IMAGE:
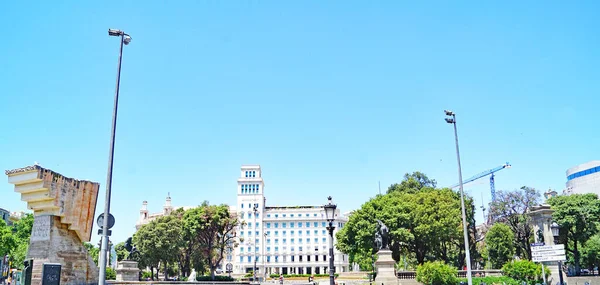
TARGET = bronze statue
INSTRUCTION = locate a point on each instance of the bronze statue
(540, 235)
(131, 249)
(382, 236)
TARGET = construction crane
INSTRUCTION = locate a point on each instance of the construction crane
(484, 174)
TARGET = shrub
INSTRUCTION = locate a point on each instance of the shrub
(437, 273)
(301, 275)
(110, 274)
(146, 274)
(492, 280)
(217, 278)
(524, 270)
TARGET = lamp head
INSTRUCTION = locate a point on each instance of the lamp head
(126, 39)
(114, 32)
(450, 120)
(449, 113)
(330, 210)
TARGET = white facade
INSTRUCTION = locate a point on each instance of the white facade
(584, 178)
(282, 240)
(146, 217)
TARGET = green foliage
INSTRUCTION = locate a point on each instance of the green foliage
(524, 270)
(301, 275)
(499, 244)
(425, 224)
(14, 240)
(146, 274)
(591, 252)
(111, 274)
(214, 278)
(511, 208)
(121, 251)
(159, 241)
(437, 273)
(492, 280)
(577, 216)
(93, 251)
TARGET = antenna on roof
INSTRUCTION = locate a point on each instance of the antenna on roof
(379, 182)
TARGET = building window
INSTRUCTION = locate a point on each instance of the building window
(256, 249)
(241, 249)
(249, 258)
(300, 257)
(268, 233)
(308, 258)
(256, 233)
(253, 173)
(323, 224)
(241, 259)
(324, 257)
(249, 249)
(276, 258)
(268, 241)
(242, 206)
(268, 248)
(242, 215)
(292, 249)
(324, 240)
(292, 232)
(276, 233)
(283, 224)
(268, 225)
(316, 240)
(246, 173)
(291, 225)
(315, 224)
(276, 225)
(299, 224)
(292, 215)
(284, 241)
(256, 224)
(242, 233)
(323, 232)
(307, 215)
(283, 215)
(268, 259)
(292, 241)
(292, 258)
(283, 232)
(276, 215)
(276, 241)
(307, 233)
(300, 240)
(307, 224)
(276, 248)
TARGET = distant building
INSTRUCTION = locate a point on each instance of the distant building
(5, 215)
(146, 217)
(281, 239)
(584, 178)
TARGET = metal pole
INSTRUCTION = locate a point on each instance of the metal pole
(254, 270)
(331, 266)
(104, 247)
(560, 273)
(462, 204)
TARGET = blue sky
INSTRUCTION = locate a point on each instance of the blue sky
(328, 97)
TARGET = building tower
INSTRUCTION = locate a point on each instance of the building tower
(250, 209)
(143, 212)
(168, 208)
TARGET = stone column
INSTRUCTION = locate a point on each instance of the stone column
(63, 210)
(127, 270)
(542, 220)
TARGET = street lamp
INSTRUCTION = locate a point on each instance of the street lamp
(330, 215)
(255, 210)
(555, 233)
(125, 40)
(451, 119)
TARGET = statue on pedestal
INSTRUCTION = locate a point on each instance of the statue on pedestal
(382, 236)
(131, 249)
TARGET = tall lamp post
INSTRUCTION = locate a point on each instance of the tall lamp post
(330, 215)
(125, 40)
(555, 232)
(451, 119)
(255, 210)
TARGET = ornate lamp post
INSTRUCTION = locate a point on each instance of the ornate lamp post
(555, 232)
(330, 215)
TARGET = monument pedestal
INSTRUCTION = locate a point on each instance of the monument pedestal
(385, 268)
(63, 210)
(127, 270)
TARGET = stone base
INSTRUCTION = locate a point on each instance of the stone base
(127, 270)
(53, 242)
(385, 268)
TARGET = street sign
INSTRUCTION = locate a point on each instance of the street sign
(548, 253)
(538, 244)
(548, 258)
(111, 221)
(548, 247)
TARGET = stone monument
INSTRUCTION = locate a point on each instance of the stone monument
(127, 270)
(63, 210)
(541, 217)
(385, 263)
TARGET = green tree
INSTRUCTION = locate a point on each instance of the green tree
(93, 251)
(122, 253)
(499, 244)
(577, 215)
(591, 252)
(413, 183)
(437, 273)
(424, 223)
(212, 229)
(158, 242)
(511, 208)
(524, 270)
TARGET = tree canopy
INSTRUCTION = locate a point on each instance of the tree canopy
(424, 222)
(577, 215)
(499, 245)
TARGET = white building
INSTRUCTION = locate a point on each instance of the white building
(584, 178)
(146, 217)
(282, 240)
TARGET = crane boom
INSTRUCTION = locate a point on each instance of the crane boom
(484, 174)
